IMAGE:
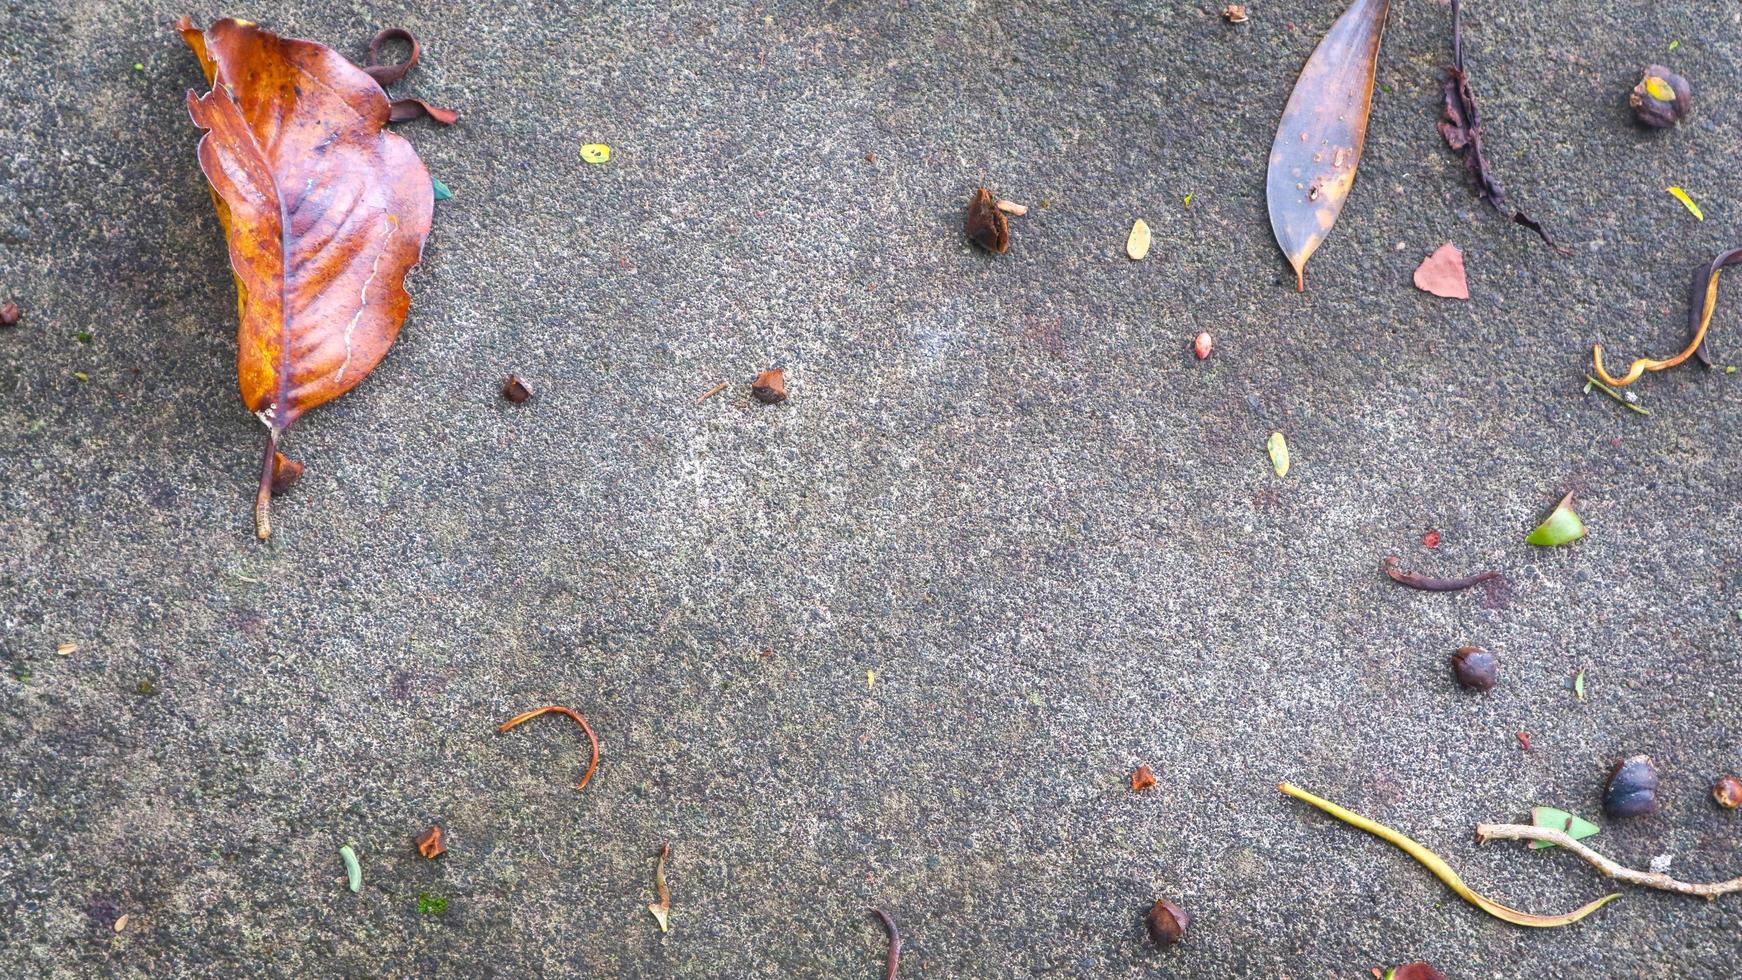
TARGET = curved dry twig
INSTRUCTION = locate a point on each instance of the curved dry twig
(1443, 871)
(559, 709)
(1650, 879)
(894, 942)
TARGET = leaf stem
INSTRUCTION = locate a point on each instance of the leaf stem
(1443, 871)
(1650, 879)
(263, 496)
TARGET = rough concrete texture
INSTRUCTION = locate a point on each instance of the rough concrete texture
(1001, 484)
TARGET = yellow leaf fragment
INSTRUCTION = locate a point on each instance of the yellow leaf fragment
(596, 152)
(1687, 202)
(1137, 243)
(870, 679)
(1278, 447)
(66, 649)
(1659, 89)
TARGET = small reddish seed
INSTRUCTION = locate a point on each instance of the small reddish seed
(1201, 346)
(10, 314)
(1524, 740)
(769, 388)
(870, 158)
(515, 390)
(1142, 778)
(1727, 791)
(1431, 539)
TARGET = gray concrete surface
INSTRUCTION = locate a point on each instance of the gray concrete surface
(1001, 484)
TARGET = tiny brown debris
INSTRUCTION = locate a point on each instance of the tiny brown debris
(1235, 13)
(870, 158)
(285, 472)
(515, 390)
(1166, 923)
(121, 923)
(10, 314)
(1012, 208)
(711, 392)
(662, 909)
(987, 227)
(429, 843)
(769, 388)
(1142, 778)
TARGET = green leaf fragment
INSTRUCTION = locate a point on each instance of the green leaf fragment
(441, 190)
(83, 336)
(1674, 44)
(1579, 684)
(596, 153)
(1562, 527)
(138, 67)
(1575, 826)
(82, 376)
(1612, 393)
(1278, 447)
(353, 870)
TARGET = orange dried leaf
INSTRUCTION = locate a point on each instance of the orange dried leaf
(429, 843)
(1318, 144)
(1142, 778)
(324, 211)
(1442, 273)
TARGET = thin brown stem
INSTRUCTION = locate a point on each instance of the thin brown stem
(1650, 879)
(894, 960)
(263, 496)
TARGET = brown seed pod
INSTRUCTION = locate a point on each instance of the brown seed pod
(515, 390)
(1727, 791)
(987, 226)
(1475, 668)
(1661, 99)
(1632, 787)
(10, 314)
(1166, 923)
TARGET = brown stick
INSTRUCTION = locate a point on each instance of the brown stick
(1650, 879)
(263, 496)
(894, 961)
(559, 709)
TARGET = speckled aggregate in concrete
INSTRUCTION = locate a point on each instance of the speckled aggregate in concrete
(1003, 485)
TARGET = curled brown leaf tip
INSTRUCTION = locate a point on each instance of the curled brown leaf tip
(592, 765)
(1428, 583)
(1142, 778)
(401, 110)
(429, 843)
(662, 909)
(894, 942)
(987, 226)
(285, 472)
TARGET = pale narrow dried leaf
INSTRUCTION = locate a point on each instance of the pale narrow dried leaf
(1012, 208)
(1137, 243)
(1318, 144)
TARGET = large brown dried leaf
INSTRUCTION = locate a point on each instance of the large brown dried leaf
(1318, 144)
(325, 212)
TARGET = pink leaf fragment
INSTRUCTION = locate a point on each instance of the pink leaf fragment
(1442, 273)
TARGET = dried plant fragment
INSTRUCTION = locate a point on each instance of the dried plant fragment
(1235, 13)
(894, 956)
(1012, 208)
(1650, 879)
(1142, 778)
(1462, 128)
(1166, 923)
(1137, 243)
(769, 388)
(285, 472)
(1442, 273)
(1702, 302)
(1442, 870)
(593, 739)
(403, 110)
(1318, 143)
(987, 227)
(429, 843)
(1419, 970)
(1428, 583)
(325, 213)
(10, 314)
(1661, 99)
(515, 390)
(661, 909)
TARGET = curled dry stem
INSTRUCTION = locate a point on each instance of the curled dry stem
(1702, 303)
(559, 709)
(1650, 879)
(1442, 870)
(894, 961)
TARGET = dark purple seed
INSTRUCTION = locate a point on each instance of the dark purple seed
(1475, 668)
(1632, 788)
